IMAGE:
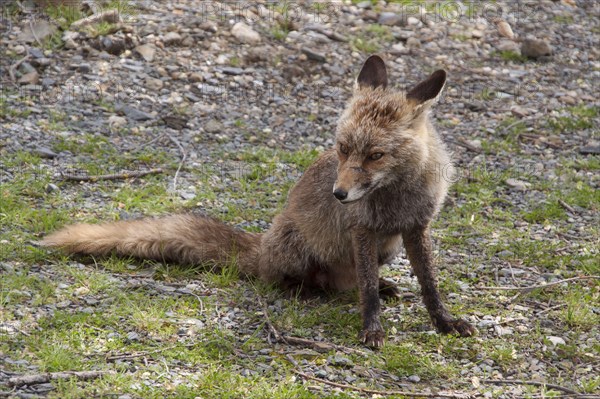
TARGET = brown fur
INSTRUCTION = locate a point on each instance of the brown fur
(318, 240)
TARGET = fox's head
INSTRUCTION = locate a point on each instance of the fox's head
(383, 135)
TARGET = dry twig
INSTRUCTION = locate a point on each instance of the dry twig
(540, 286)
(112, 176)
(319, 346)
(183, 158)
(42, 378)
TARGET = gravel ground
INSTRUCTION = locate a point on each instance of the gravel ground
(196, 85)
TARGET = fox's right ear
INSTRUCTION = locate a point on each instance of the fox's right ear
(373, 73)
(429, 89)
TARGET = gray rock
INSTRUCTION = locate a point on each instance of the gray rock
(172, 38)
(392, 19)
(321, 373)
(535, 48)
(30, 78)
(133, 113)
(414, 378)
(245, 34)
(313, 55)
(146, 51)
(517, 184)
(154, 84)
(44, 152)
(213, 126)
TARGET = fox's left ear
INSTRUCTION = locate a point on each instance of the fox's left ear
(373, 73)
(428, 90)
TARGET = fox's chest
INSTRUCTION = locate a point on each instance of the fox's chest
(394, 213)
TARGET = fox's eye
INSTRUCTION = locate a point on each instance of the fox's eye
(375, 156)
(344, 149)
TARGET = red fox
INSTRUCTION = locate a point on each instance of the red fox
(351, 211)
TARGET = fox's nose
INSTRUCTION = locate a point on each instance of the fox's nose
(340, 194)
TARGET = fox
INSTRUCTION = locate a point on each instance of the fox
(376, 190)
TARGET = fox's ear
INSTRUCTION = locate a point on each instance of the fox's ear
(429, 89)
(373, 73)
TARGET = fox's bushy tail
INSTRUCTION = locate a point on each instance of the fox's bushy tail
(184, 239)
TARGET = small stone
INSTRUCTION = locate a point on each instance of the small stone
(30, 78)
(413, 42)
(590, 150)
(313, 55)
(476, 144)
(341, 361)
(195, 77)
(232, 71)
(133, 113)
(18, 49)
(51, 187)
(569, 100)
(399, 49)
(517, 184)
(146, 51)
(36, 52)
(413, 21)
(535, 48)
(321, 373)
(172, 38)
(292, 71)
(245, 34)
(116, 121)
(504, 29)
(477, 34)
(133, 336)
(508, 45)
(392, 19)
(414, 378)
(44, 152)
(519, 111)
(154, 84)
(556, 340)
(113, 45)
(213, 126)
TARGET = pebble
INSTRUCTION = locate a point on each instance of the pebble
(518, 184)
(245, 34)
(313, 54)
(556, 340)
(154, 84)
(535, 48)
(147, 51)
(172, 38)
(45, 152)
(30, 78)
(133, 113)
(392, 19)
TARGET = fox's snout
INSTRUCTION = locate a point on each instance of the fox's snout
(352, 184)
(340, 194)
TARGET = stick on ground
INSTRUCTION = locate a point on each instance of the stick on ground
(112, 176)
(534, 287)
(42, 378)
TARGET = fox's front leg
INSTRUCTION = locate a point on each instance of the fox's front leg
(418, 247)
(367, 273)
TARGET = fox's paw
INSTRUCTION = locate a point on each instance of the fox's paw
(373, 337)
(455, 326)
